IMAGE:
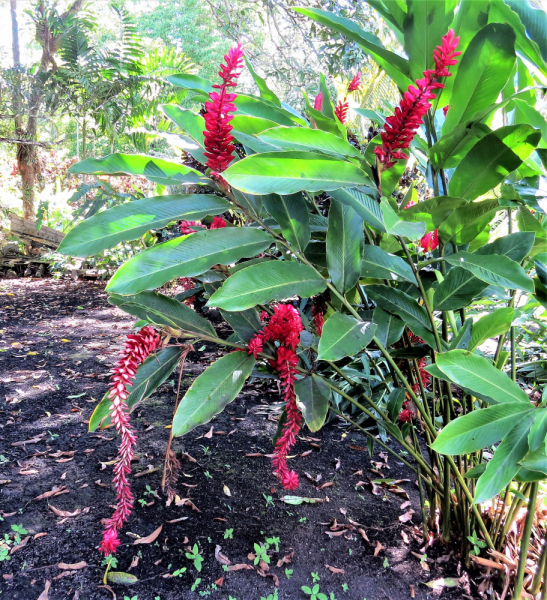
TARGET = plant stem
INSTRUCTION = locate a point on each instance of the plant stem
(525, 541)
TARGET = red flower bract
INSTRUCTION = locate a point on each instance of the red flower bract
(400, 128)
(137, 348)
(284, 327)
(218, 141)
(186, 227)
(341, 109)
(218, 223)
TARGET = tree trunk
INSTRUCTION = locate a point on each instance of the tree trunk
(27, 163)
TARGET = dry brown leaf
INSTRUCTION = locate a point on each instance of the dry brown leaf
(336, 533)
(39, 535)
(45, 594)
(378, 548)
(33, 440)
(72, 567)
(239, 567)
(335, 570)
(64, 513)
(255, 454)
(405, 505)
(149, 538)
(209, 434)
(20, 545)
(56, 491)
(406, 517)
(307, 453)
(134, 563)
(285, 560)
(107, 587)
(221, 558)
(177, 520)
(219, 582)
(326, 485)
(363, 534)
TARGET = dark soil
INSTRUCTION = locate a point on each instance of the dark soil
(58, 341)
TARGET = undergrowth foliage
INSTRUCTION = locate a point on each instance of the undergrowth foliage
(382, 280)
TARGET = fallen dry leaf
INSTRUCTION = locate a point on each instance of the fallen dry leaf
(149, 538)
(335, 570)
(64, 513)
(326, 485)
(55, 491)
(209, 434)
(221, 558)
(285, 560)
(45, 594)
(72, 567)
(378, 548)
(20, 545)
(107, 587)
(405, 505)
(239, 567)
(134, 563)
(39, 535)
(363, 534)
(177, 520)
(406, 517)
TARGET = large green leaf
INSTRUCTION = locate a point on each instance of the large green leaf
(483, 72)
(538, 432)
(212, 391)
(256, 107)
(393, 64)
(491, 160)
(245, 323)
(396, 226)
(528, 223)
(290, 172)
(191, 82)
(364, 205)
(505, 463)
(192, 124)
(313, 394)
(433, 212)
(344, 246)
(467, 221)
(461, 286)
(312, 140)
(344, 335)
(162, 310)
(535, 460)
(480, 428)
(491, 325)
(378, 264)
(132, 220)
(187, 256)
(479, 375)
(496, 270)
(389, 327)
(265, 91)
(293, 217)
(154, 169)
(399, 303)
(150, 375)
(259, 284)
(424, 26)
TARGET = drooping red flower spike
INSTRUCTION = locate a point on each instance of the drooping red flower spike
(284, 327)
(341, 109)
(137, 349)
(218, 141)
(401, 127)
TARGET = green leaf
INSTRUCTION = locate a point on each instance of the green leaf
(389, 327)
(265, 91)
(482, 73)
(162, 310)
(322, 122)
(121, 578)
(254, 107)
(394, 65)
(290, 172)
(191, 82)
(314, 395)
(292, 215)
(399, 303)
(467, 221)
(491, 160)
(396, 226)
(491, 325)
(262, 283)
(432, 212)
(245, 323)
(344, 335)
(150, 375)
(187, 256)
(480, 428)
(496, 270)
(528, 223)
(395, 402)
(191, 123)
(365, 206)
(154, 169)
(424, 26)
(251, 125)
(312, 140)
(212, 391)
(132, 220)
(505, 463)
(379, 264)
(535, 460)
(538, 432)
(344, 246)
(479, 375)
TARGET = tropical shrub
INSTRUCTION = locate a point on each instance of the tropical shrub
(383, 283)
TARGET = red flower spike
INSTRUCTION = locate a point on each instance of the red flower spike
(186, 227)
(401, 127)
(341, 110)
(137, 348)
(284, 327)
(218, 141)
(355, 83)
(318, 104)
(430, 241)
(218, 223)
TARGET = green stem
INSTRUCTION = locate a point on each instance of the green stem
(525, 541)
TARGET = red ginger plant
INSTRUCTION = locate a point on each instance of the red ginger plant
(342, 107)
(218, 140)
(430, 241)
(400, 128)
(284, 327)
(137, 349)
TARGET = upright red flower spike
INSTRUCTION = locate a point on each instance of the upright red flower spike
(341, 109)
(401, 127)
(137, 349)
(218, 141)
(318, 104)
(284, 327)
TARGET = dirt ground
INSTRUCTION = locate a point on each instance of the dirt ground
(58, 341)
